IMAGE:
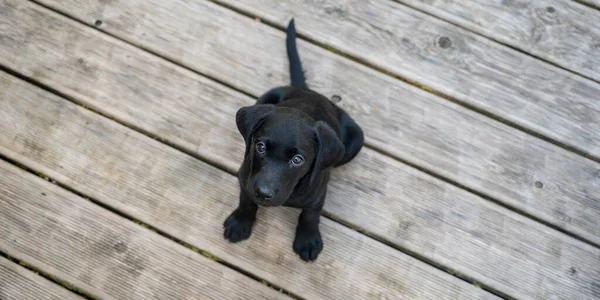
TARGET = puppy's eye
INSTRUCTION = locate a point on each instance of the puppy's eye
(297, 160)
(261, 148)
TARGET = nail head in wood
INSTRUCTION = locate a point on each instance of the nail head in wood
(539, 184)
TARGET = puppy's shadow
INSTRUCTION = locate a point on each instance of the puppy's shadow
(286, 219)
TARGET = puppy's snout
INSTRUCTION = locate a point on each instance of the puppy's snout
(263, 192)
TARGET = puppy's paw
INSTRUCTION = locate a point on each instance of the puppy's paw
(238, 226)
(308, 245)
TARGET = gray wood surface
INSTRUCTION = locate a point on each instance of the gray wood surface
(406, 122)
(458, 63)
(183, 197)
(18, 283)
(561, 31)
(103, 254)
(376, 193)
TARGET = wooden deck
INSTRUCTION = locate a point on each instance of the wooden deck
(480, 178)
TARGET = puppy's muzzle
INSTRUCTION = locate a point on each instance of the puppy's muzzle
(263, 193)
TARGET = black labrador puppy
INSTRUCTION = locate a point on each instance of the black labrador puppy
(293, 136)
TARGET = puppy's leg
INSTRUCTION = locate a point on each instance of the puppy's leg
(308, 243)
(352, 136)
(238, 225)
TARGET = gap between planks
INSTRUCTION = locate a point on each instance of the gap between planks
(593, 4)
(38, 272)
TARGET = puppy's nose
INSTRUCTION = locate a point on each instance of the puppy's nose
(263, 192)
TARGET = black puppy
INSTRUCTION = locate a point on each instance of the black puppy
(293, 137)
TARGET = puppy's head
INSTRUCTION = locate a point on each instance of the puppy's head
(283, 147)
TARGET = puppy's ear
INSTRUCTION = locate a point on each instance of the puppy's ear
(250, 118)
(329, 149)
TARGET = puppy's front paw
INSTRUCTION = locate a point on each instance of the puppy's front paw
(238, 226)
(308, 245)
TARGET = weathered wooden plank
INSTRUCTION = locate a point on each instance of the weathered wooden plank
(560, 31)
(461, 64)
(187, 199)
(18, 283)
(376, 193)
(104, 254)
(404, 121)
(495, 246)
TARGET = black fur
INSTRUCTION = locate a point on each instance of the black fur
(293, 137)
(296, 72)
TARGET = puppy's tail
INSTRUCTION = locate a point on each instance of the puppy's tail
(296, 72)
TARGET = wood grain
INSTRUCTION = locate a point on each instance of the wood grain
(406, 122)
(18, 283)
(103, 254)
(560, 31)
(183, 197)
(374, 192)
(454, 61)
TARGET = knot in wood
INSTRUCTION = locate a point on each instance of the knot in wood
(445, 42)
(120, 247)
